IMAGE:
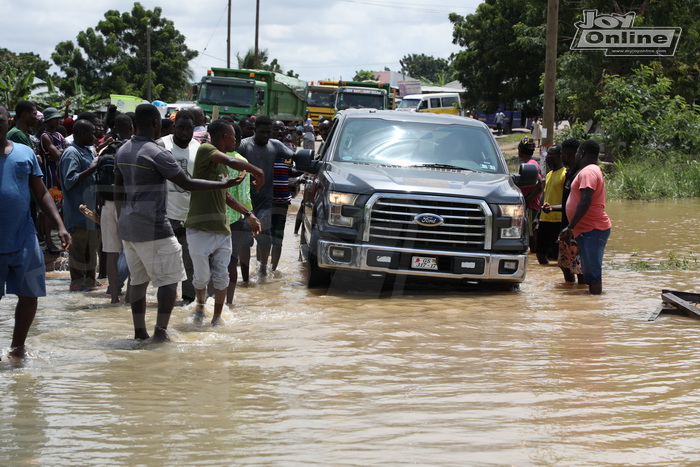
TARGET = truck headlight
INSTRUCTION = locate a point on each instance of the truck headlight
(337, 201)
(516, 212)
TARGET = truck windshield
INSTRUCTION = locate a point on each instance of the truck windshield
(320, 99)
(226, 95)
(409, 104)
(360, 101)
(384, 142)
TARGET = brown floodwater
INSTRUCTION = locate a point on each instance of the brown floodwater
(433, 375)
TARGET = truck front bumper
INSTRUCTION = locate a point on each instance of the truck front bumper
(477, 266)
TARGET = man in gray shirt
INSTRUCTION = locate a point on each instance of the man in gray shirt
(262, 151)
(152, 251)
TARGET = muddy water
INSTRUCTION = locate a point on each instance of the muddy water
(434, 376)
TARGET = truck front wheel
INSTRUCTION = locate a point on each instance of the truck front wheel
(316, 276)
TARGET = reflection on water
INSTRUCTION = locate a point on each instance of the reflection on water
(548, 375)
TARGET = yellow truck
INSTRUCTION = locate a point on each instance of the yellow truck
(320, 102)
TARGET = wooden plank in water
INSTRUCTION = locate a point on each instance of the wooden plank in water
(655, 314)
(691, 297)
(681, 304)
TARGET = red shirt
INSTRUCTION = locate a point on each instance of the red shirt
(595, 218)
(534, 202)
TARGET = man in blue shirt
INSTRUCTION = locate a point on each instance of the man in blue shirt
(22, 269)
(77, 170)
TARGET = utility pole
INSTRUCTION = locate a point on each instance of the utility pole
(228, 39)
(550, 71)
(148, 64)
(257, 25)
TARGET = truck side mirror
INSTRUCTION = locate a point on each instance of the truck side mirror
(527, 177)
(195, 92)
(304, 161)
(261, 97)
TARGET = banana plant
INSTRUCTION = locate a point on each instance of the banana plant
(15, 87)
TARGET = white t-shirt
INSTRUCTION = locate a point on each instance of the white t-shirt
(179, 199)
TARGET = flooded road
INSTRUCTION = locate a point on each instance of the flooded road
(547, 375)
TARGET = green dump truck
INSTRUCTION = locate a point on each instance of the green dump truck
(253, 92)
(363, 95)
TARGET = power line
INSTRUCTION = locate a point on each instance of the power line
(409, 6)
(212, 33)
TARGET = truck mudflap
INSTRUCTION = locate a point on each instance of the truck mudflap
(479, 266)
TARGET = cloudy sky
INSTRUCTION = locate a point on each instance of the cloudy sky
(317, 39)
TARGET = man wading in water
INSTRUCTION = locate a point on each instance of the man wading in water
(22, 269)
(151, 249)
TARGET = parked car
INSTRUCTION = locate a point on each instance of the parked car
(419, 194)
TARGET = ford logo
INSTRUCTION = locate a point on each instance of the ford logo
(428, 220)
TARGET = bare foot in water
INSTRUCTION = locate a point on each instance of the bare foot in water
(141, 334)
(217, 321)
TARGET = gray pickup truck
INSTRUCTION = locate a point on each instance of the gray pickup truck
(399, 193)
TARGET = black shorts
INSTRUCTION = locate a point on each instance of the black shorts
(241, 237)
(279, 219)
(547, 236)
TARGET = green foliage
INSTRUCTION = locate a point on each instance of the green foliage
(504, 48)
(25, 61)
(111, 58)
(581, 75)
(655, 174)
(15, 87)
(364, 75)
(640, 113)
(576, 130)
(248, 62)
(676, 262)
(503, 51)
(437, 71)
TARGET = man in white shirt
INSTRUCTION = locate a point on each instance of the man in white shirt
(500, 116)
(184, 148)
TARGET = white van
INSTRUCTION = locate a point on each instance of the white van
(437, 103)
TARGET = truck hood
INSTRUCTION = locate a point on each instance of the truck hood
(368, 179)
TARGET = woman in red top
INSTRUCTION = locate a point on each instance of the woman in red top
(588, 221)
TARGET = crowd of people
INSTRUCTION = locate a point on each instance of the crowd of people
(566, 214)
(178, 206)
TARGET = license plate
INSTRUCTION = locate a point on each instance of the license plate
(424, 262)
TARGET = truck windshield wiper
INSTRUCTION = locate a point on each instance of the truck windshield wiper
(442, 166)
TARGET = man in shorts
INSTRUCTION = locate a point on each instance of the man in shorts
(22, 269)
(208, 231)
(111, 243)
(152, 251)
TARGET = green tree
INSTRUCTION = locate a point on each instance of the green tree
(111, 58)
(248, 62)
(503, 51)
(364, 75)
(24, 61)
(640, 113)
(581, 75)
(427, 68)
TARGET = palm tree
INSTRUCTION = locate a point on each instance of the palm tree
(248, 62)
